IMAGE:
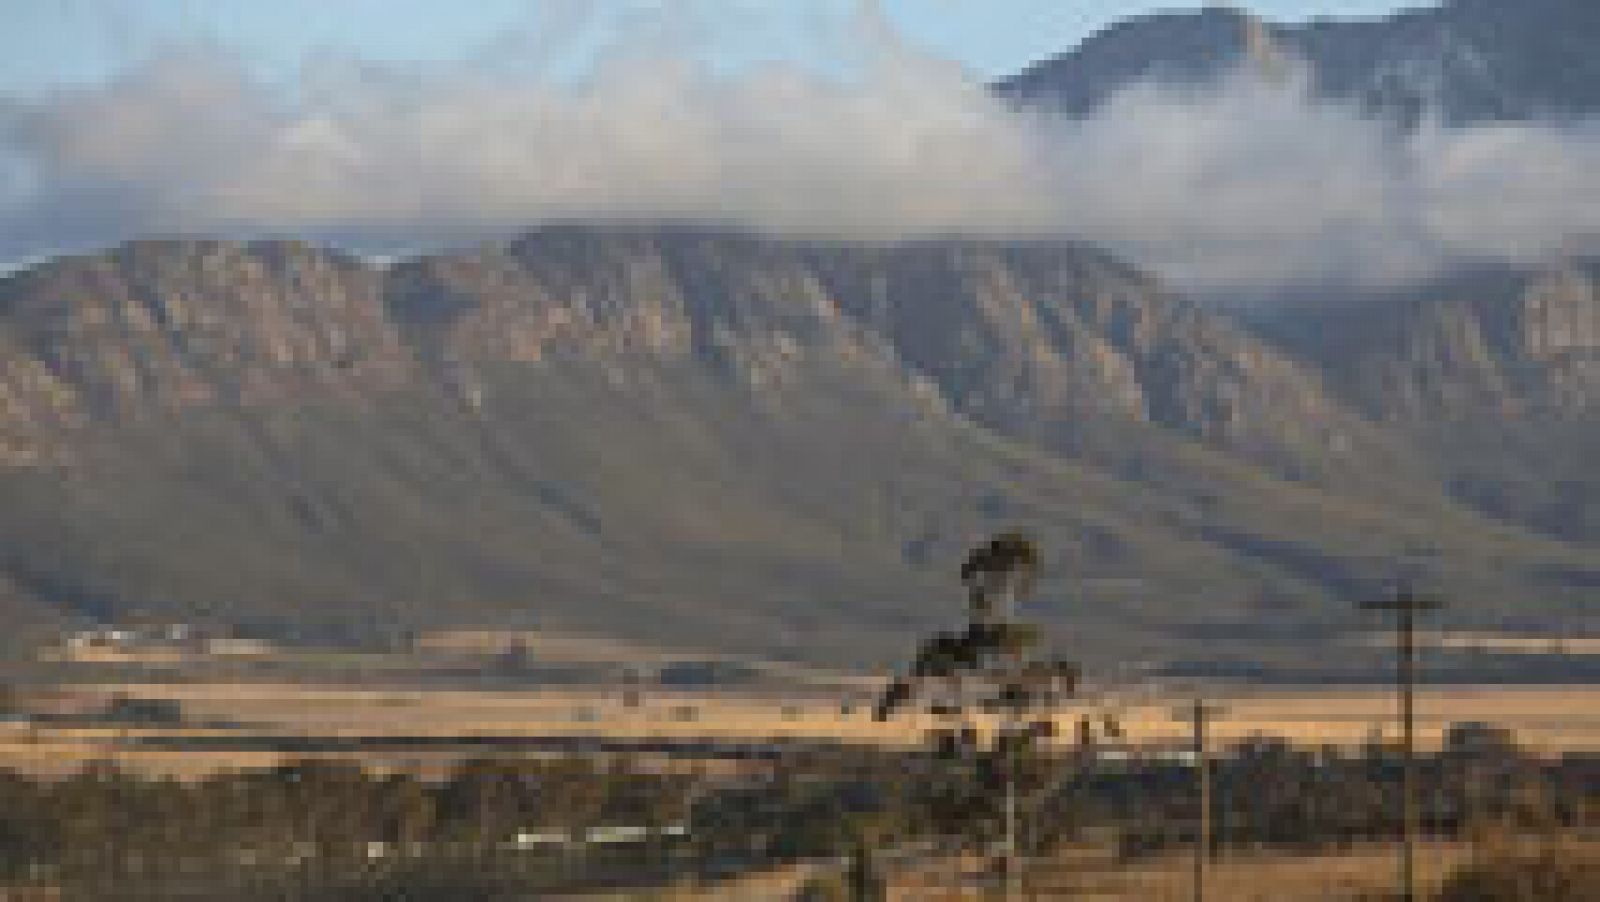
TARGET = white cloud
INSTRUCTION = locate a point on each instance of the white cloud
(1248, 188)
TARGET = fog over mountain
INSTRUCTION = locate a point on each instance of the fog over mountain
(1249, 180)
(747, 359)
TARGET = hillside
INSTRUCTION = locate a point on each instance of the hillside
(1495, 373)
(703, 438)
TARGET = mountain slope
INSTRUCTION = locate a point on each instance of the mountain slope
(1034, 340)
(1495, 375)
(1507, 342)
(703, 438)
(1462, 62)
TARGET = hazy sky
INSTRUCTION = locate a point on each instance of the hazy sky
(45, 42)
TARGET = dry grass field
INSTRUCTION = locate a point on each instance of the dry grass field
(1254, 877)
(1553, 719)
(1365, 873)
(1362, 874)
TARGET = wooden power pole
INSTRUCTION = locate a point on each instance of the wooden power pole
(1405, 605)
(1200, 714)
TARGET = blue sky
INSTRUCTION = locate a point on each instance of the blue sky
(48, 42)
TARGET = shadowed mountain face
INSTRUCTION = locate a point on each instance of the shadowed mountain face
(1465, 61)
(1496, 374)
(1504, 343)
(778, 447)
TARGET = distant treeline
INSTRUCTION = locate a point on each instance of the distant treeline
(332, 820)
(1455, 668)
(516, 822)
(1270, 793)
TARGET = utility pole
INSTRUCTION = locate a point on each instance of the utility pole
(1013, 859)
(1199, 714)
(1405, 605)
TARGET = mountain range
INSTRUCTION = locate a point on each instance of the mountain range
(700, 437)
(1459, 63)
(694, 436)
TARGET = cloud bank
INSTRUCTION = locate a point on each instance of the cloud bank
(1249, 188)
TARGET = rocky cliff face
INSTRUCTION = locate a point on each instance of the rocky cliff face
(1038, 341)
(37, 410)
(1042, 342)
(746, 308)
(171, 324)
(1035, 340)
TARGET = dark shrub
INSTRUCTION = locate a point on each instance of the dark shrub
(1548, 875)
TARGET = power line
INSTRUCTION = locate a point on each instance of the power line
(1405, 605)
(1199, 713)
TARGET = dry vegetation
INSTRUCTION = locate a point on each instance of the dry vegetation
(1362, 874)
(1546, 718)
(1505, 870)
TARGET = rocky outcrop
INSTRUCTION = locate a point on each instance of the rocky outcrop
(1044, 340)
(37, 410)
(173, 324)
(1037, 340)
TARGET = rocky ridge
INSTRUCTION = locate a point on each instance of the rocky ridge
(723, 429)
